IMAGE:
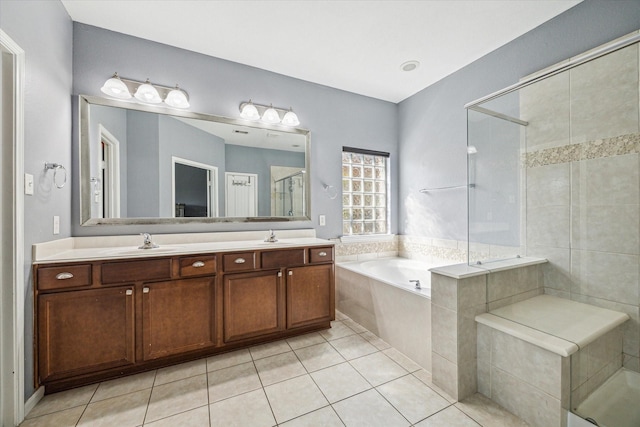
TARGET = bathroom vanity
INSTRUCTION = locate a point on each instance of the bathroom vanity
(104, 312)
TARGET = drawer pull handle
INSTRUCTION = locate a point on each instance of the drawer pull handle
(145, 290)
(322, 253)
(240, 260)
(291, 273)
(129, 292)
(197, 264)
(64, 276)
(279, 273)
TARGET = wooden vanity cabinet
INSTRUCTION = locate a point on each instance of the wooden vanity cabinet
(310, 296)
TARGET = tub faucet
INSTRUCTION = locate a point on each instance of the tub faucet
(147, 242)
(417, 282)
(272, 237)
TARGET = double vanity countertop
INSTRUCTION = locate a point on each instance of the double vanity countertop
(74, 249)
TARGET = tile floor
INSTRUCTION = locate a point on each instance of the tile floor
(344, 376)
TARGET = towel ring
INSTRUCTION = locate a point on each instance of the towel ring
(55, 167)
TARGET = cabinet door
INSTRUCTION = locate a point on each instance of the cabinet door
(253, 304)
(85, 331)
(177, 316)
(310, 295)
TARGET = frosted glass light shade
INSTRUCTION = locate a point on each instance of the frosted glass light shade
(290, 119)
(116, 88)
(148, 94)
(177, 99)
(250, 112)
(271, 116)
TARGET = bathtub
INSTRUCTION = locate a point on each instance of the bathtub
(377, 294)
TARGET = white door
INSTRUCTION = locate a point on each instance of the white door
(241, 194)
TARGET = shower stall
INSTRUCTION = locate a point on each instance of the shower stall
(290, 195)
(554, 172)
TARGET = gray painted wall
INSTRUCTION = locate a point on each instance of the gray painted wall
(44, 31)
(432, 123)
(335, 118)
(142, 198)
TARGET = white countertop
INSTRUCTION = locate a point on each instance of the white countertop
(75, 249)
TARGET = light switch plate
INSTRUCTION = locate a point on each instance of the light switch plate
(322, 220)
(28, 184)
(56, 224)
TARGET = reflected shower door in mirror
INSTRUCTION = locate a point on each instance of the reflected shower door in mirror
(147, 165)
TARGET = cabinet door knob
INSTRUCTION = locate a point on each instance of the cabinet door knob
(129, 292)
(197, 264)
(145, 290)
(290, 273)
(240, 260)
(279, 273)
(64, 276)
(322, 254)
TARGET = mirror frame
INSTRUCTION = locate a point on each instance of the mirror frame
(85, 101)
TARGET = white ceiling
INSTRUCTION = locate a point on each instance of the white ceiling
(357, 46)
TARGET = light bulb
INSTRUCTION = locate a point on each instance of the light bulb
(116, 88)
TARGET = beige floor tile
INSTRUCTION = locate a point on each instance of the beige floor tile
(425, 377)
(325, 417)
(450, 417)
(123, 411)
(319, 356)
(402, 360)
(63, 400)
(368, 409)
(375, 340)
(306, 340)
(377, 368)
(249, 409)
(278, 368)
(488, 413)
(176, 397)
(353, 346)
(65, 418)
(338, 330)
(358, 328)
(124, 385)
(198, 417)
(340, 315)
(269, 349)
(412, 398)
(340, 381)
(180, 372)
(226, 360)
(292, 398)
(232, 381)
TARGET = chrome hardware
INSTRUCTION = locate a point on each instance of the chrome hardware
(240, 260)
(290, 273)
(129, 292)
(147, 243)
(272, 237)
(322, 253)
(197, 264)
(279, 273)
(145, 290)
(417, 282)
(64, 276)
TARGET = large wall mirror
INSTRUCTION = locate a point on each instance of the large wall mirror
(149, 165)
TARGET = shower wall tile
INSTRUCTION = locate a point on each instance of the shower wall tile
(444, 332)
(556, 274)
(457, 294)
(549, 226)
(549, 185)
(614, 229)
(604, 96)
(605, 275)
(606, 181)
(483, 352)
(445, 375)
(545, 105)
(631, 362)
(493, 305)
(507, 283)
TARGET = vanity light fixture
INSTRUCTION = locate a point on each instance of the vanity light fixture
(145, 92)
(268, 114)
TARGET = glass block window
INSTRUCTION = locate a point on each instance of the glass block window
(365, 183)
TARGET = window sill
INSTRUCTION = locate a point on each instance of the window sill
(367, 238)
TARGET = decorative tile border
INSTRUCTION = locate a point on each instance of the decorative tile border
(605, 147)
(361, 248)
(430, 248)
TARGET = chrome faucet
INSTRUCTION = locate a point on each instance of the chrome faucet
(417, 282)
(272, 237)
(147, 243)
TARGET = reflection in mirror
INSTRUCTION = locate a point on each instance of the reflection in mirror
(146, 165)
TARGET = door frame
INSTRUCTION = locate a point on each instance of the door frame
(110, 187)
(212, 194)
(12, 405)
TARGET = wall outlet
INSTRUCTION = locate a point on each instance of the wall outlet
(56, 224)
(28, 184)
(322, 220)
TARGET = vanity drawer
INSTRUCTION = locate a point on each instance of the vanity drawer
(317, 255)
(64, 276)
(197, 266)
(279, 259)
(136, 271)
(239, 262)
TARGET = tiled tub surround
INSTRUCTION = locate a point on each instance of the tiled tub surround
(393, 311)
(582, 167)
(540, 357)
